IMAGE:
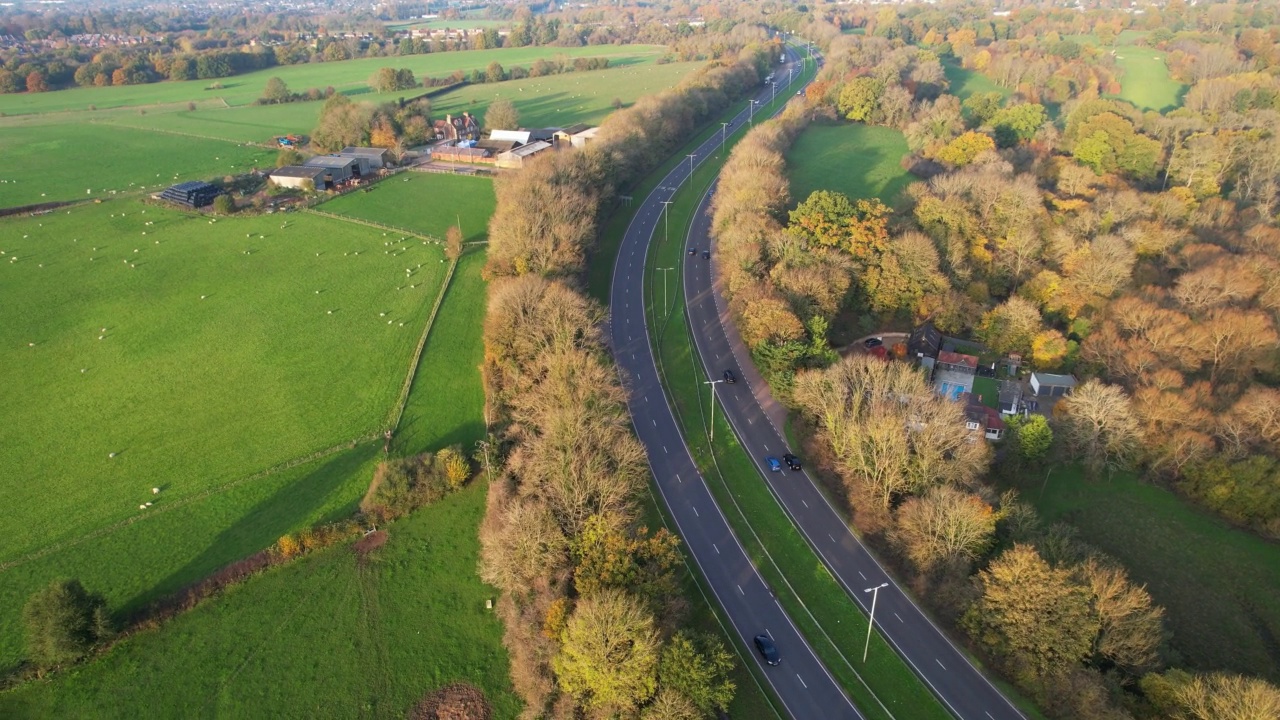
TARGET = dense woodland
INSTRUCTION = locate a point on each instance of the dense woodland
(593, 616)
(1137, 250)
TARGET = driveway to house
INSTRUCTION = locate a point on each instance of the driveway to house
(801, 682)
(758, 418)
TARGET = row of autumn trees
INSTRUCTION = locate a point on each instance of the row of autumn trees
(1023, 245)
(592, 613)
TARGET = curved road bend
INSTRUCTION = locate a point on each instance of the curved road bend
(802, 683)
(957, 683)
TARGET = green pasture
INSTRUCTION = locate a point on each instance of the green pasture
(79, 161)
(289, 352)
(1217, 584)
(348, 75)
(171, 547)
(554, 100)
(963, 82)
(455, 24)
(191, 532)
(427, 203)
(1145, 79)
(325, 636)
(861, 161)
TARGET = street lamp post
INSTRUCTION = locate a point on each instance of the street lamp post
(775, 91)
(724, 127)
(713, 384)
(875, 593)
(665, 306)
(751, 111)
(691, 156)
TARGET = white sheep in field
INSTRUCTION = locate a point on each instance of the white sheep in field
(142, 507)
(155, 491)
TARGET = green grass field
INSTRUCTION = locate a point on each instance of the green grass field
(326, 636)
(1217, 584)
(964, 82)
(345, 76)
(192, 395)
(861, 161)
(62, 162)
(462, 23)
(547, 101)
(1145, 81)
(427, 203)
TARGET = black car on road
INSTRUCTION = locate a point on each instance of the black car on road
(729, 377)
(693, 251)
(768, 650)
(873, 342)
(792, 461)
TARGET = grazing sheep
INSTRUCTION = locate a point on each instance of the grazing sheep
(142, 507)
(111, 455)
(155, 491)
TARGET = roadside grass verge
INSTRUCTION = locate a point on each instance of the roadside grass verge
(735, 483)
(884, 687)
(1217, 583)
(329, 635)
(861, 161)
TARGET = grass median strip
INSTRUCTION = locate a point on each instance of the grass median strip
(883, 687)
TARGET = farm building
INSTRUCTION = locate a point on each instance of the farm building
(517, 157)
(582, 139)
(449, 153)
(302, 177)
(564, 136)
(193, 193)
(336, 169)
(370, 158)
(1048, 385)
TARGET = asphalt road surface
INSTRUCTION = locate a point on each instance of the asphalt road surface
(801, 682)
(943, 667)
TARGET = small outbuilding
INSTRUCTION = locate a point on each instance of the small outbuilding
(193, 193)
(301, 177)
(1049, 385)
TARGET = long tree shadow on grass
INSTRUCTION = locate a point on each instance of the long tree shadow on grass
(290, 506)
